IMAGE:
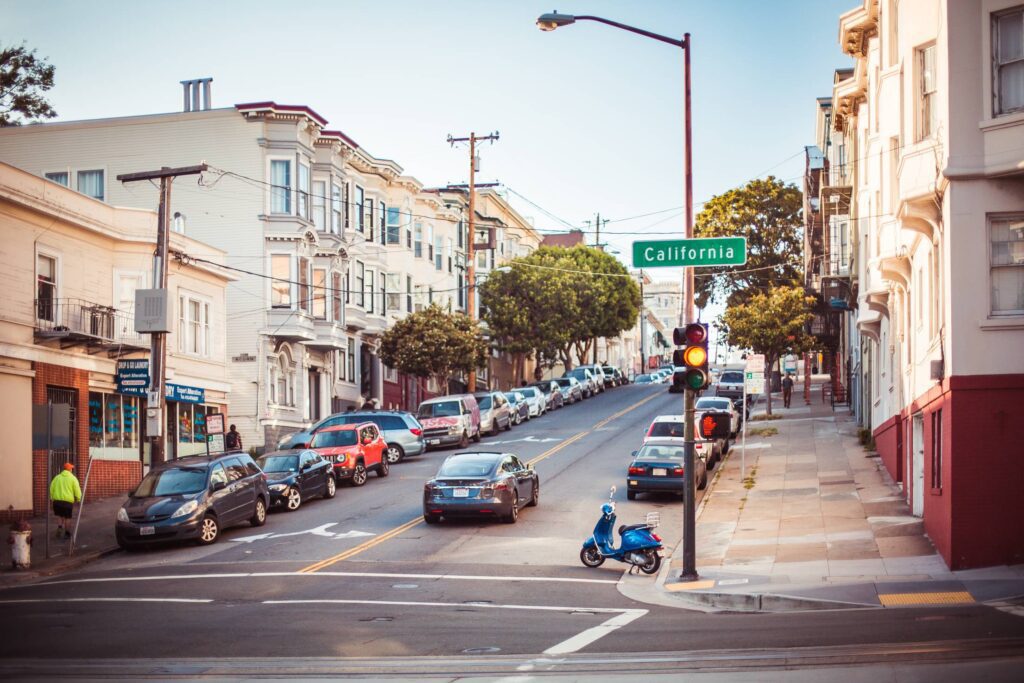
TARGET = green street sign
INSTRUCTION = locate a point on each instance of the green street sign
(698, 251)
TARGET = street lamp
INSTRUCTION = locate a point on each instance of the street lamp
(549, 22)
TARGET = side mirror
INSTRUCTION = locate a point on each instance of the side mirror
(301, 445)
(219, 485)
(634, 453)
(306, 466)
(367, 441)
(611, 491)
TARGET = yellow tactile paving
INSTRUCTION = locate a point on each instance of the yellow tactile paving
(905, 599)
(689, 586)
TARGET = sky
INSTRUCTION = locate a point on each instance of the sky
(590, 117)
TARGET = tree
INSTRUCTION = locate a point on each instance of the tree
(434, 343)
(769, 214)
(610, 298)
(23, 79)
(771, 323)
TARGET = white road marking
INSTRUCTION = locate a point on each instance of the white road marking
(525, 439)
(27, 600)
(321, 530)
(371, 575)
(1009, 608)
(581, 640)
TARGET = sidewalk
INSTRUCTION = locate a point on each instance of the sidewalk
(95, 537)
(818, 524)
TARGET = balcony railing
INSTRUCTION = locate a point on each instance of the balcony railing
(76, 322)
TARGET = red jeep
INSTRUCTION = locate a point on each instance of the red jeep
(354, 450)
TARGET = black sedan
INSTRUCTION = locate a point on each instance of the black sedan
(295, 475)
(552, 393)
(658, 468)
(480, 484)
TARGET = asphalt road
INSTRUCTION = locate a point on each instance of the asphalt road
(362, 577)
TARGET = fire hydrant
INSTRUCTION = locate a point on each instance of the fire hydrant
(20, 540)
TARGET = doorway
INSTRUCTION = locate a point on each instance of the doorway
(917, 466)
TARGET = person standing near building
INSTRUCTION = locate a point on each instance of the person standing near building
(233, 440)
(65, 492)
(787, 389)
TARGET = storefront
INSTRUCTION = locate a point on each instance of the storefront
(186, 420)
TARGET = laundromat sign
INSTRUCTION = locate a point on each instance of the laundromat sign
(184, 394)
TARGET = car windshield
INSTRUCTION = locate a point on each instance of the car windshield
(543, 388)
(512, 398)
(467, 466)
(331, 439)
(442, 409)
(172, 482)
(642, 379)
(563, 382)
(528, 392)
(280, 463)
(484, 402)
(714, 403)
(673, 429)
(732, 378)
(660, 453)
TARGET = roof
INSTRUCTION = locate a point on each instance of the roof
(668, 418)
(563, 239)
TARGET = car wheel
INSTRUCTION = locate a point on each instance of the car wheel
(652, 562)
(384, 468)
(591, 557)
(395, 453)
(710, 462)
(703, 484)
(535, 498)
(464, 441)
(513, 515)
(495, 427)
(259, 517)
(209, 530)
(476, 437)
(359, 474)
(630, 495)
(331, 487)
(431, 519)
(294, 500)
(508, 424)
(725, 448)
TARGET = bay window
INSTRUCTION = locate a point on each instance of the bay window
(280, 285)
(303, 191)
(303, 279)
(1008, 60)
(281, 186)
(320, 293)
(320, 205)
(193, 325)
(1006, 265)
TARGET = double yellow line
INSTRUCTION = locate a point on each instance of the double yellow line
(388, 535)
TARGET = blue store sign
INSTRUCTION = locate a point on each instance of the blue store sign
(183, 394)
(132, 377)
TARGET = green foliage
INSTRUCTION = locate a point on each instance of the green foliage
(434, 343)
(556, 298)
(769, 214)
(23, 79)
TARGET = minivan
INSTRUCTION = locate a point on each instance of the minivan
(450, 420)
(495, 412)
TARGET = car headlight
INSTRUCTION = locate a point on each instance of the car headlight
(278, 487)
(186, 509)
(122, 515)
(454, 429)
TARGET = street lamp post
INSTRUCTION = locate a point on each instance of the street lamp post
(549, 22)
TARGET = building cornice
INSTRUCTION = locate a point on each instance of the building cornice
(856, 27)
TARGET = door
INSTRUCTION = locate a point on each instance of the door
(524, 478)
(242, 490)
(220, 500)
(917, 467)
(308, 476)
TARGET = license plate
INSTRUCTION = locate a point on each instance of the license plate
(632, 482)
(659, 471)
(433, 442)
(147, 530)
(460, 493)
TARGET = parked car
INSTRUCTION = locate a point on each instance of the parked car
(672, 427)
(401, 430)
(618, 378)
(587, 381)
(671, 380)
(714, 403)
(603, 381)
(194, 497)
(450, 420)
(354, 450)
(486, 484)
(572, 390)
(536, 399)
(657, 467)
(294, 476)
(519, 405)
(730, 385)
(644, 379)
(495, 414)
(552, 393)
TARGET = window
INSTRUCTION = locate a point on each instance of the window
(360, 204)
(193, 326)
(430, 243)
(320, 293)
(937, 450)
(113, 424)
(351, 360)
(383, 223)
(417, 245)
(282, 379)
(394, 234)
(46, 288)
(59, 177)
(91, 183)
(394, 292)
(369, 292)
(280, 186)
(303, 193)
(280, 285)
(335, 208)
(1006, 271)
(927, 86)
(892, 21)
(303, 279)
(408, 293)
(348, 287)
(449, 252)
(337, 310)
(127, 283)
(1008, 60)
(360, 284)
(920, 297)
(439, 253)
(370, 224)
(382, 293)
(320, 205)
(460, 241)
(461, 285)
(346, 205)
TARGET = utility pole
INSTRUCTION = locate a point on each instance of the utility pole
(470, 243)
(158, 340)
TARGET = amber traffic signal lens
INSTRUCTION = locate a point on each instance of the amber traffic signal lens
(695, 356)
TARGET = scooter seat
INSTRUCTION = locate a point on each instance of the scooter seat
(631, 527)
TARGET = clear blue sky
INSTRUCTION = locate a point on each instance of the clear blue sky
(590, 116)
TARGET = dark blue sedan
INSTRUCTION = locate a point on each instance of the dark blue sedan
(658, 468)
(480, 484)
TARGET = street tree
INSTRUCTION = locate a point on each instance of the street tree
(24, 78)
(772, 324)
(768, 213)
(609, 298)
(434, 343)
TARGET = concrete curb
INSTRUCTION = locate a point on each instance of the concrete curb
(763, 602)
(52, 567)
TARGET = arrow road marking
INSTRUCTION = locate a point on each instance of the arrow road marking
(321, 530)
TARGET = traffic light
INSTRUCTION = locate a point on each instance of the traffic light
(715, 425)
(693, 357)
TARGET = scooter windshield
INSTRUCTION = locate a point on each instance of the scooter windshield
(603, 531)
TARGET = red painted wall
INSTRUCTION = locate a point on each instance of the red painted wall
(887, 442)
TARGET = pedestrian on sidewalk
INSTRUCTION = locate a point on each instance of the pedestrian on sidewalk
(233, 440)
(65, 492)
(787, 389)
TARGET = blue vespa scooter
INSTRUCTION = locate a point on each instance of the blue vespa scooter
(639, 544)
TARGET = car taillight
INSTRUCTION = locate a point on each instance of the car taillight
(416, 431)
(678, 471)
(636, 470)
(500, 486)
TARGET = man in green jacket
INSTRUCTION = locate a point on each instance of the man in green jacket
(65, 492)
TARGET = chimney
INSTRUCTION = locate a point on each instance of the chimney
(196, 94)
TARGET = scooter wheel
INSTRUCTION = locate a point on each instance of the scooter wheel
(652, 564)
(591, 557)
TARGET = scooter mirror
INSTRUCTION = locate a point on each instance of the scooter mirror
(611, 491)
